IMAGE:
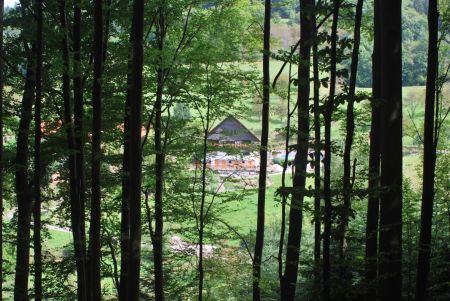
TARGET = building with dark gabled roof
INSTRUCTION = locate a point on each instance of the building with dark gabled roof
(233, 150)
(231, 130)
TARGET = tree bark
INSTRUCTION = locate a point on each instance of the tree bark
(327, 160)
(301, 157)
(317, 167)
(23, 192)
(390, 266)
(201, 230)
(78, 112)
(159, 162)
(37, 158)
(135, 155)
(373, 206)
(125, 209)
(75, 203)
(259, 243)
(429, 156)
(95, 226)
(284, 196)
(350, 126)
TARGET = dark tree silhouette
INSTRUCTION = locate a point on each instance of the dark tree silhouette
(317, 167)
(301, 157)
(390, 265)
(94, 231)
(429, 155)
(75, 202)
(327, 160)
(373, 206)
(78, 111)
(135, 155)
(23, 191)
(125, 209)
(159, 161)
(125, 202)
(37, 158)
(263, 157)
(350, 131)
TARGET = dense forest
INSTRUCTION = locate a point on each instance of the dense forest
(224, 150)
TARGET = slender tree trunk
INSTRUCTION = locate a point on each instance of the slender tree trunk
(373, 206)
(125, 209)
(301, 157)
(37, 158)
(159, 163)
(75, 205)
(78, 112)
(429, 156)
(263, 157)
(390, 266)
(327, 160)
(1, 150)
(135, 159)
(350, 126)
(23, 192)
(317, 167)
(94, 234)
(201, 231)
(284, 197)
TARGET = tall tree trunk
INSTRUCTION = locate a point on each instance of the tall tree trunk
(317, 166)
(94, 234)
(201, 232)
(159, 162)
(390, 265)
(135, 159)
(75, 205)
(263, 157)
(1, 150)
(373, 206)
(350, 126)
(327, 160)
(37, 158)
(23, 192)
(301, 157)
(429, 156)
(78, 112)
(284, 197)
(125, 209)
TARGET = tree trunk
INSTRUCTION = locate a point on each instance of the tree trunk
(373, 206)
(317, 167)
(327, 160)
(23, 192)
(284, 196)
(429, 156)
(75, 205)
(301, 157)
(263, 157)
(78, 117)
(1, 150)
(350, 126)
(159, 164)
(135, 159)
(125, 209)
(390, 266)
(201, 229)
(37, 158)
(94, 233)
